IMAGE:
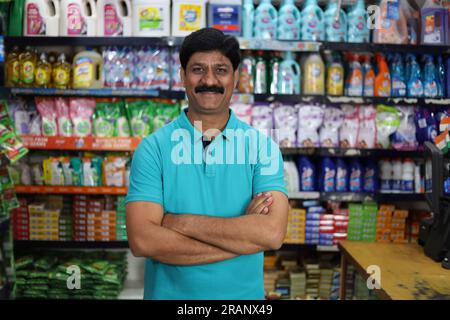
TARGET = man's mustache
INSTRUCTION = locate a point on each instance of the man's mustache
(213, 89)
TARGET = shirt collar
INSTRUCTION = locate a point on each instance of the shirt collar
(184, 123)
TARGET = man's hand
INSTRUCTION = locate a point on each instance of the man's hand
(260, 204)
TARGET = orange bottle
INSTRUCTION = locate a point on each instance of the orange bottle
(382, 84)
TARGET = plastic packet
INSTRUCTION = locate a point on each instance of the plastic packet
(164, 114)
(329, 131)
(8, 193)
(348, 132)
(105, 119)
(114, 171)
(118, 65)
(63, 117)
(367, 131)
(152, 68)
(53, 172)
(47, 110)
(81, 110)
(310, 118)
(20, 116)
(387, 122)
(140, 115)
(262, 118)
(426, 126)
(243, 111)
(67, 171)
(285, 120)
(405, 136)
(176, 83)
(92, 171)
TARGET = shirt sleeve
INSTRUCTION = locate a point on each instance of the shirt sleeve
(269, 170)
(146, 182)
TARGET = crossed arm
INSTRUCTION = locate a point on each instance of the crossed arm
(187, 239)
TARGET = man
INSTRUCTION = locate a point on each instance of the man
(200, 215)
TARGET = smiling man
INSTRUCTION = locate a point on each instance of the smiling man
(203, 225)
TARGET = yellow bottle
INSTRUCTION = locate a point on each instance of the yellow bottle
(27, 65)
(43, 75)
(61, 73)
(12, 68)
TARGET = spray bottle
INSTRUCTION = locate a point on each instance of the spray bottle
(383, 78)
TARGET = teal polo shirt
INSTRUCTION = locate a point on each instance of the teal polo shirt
(171, 167)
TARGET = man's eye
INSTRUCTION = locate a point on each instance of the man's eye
(222, 70)
(197, 70)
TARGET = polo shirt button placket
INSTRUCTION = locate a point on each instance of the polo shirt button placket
(210, 168)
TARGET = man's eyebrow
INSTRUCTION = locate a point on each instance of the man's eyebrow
(196, 64)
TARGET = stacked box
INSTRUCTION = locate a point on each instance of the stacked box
(21, 221)
(271, 277)
(312, 224)
(283, 288)
(44, 223)
(298, 284)
(355, 222)
(384, 220)
(121, 220)
(325, 282)
(369, 230)
(340, 223)
(296, 226)
(312, 281)
(350, 282)
(335, 284)
(66, 220)
(398, 226)
(326, 230)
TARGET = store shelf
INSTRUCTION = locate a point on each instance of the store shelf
(376, 47)
(352, 152)
(278, 45)
(314, 195)
(70, 190)
(30, 244)
(4, 225)
(400, 197)
(346, 196)
(296, 247)
(81, 143)
(357, 197)
(103, 92)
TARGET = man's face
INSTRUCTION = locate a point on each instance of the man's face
(209, 80)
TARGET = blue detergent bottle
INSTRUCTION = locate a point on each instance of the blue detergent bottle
(433, 26)
(335, 22)
(430, 86)
(266, 20)
(371, 183)
(327, 175)
(248, 19)
(290, 74)
(307, 172)
(288, 21)
(312, 24)
(398, 83)
(357, 24)
(341, 175)
(440, 76)
(414, 86)
(447, 81)
(356, 176)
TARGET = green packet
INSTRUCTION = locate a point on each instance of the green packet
(140, 115)
(46, 263)
(99, 267)
(23, 262)
(164, 114)
(110, 119)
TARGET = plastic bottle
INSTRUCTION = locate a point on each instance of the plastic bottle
(430, 86)
(188, 16)
(398, 83)
(412, 18)
(114, 18)
(43, 76)
(397, 170)
(288, 21)
(274, 72)
(248, 19)
(356, 176)
(414, 86)
(266, 21)
(354, 82)
(41, 18)
(433, 17)
(407, 176)
(87, 70)
(291, 177)
(314, 75)
(247, 73)
(386, 175)
(261, 73)
(27, 67)
(327, 175)
(335, 22)
(307, 173)
(417, 180)
(78, 18)
(393, 26)
(289, 80)
(225, 15)
(370, 177)
(13, 68)
(312, 24)
(61, 73)
(382, 84)
(357, 24)
(16, 18)
(369, 78)
(335, 76)
(341, 176)
(440, 76)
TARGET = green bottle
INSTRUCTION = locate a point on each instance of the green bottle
(261, 74)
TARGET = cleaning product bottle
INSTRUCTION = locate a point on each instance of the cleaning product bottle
(266, 20)
(369, 77)
(433, 23)
(314, 75)
(41, 18)
(370, 177)
(356, 176)
(78, 18)
(407, 184)
(335, 76)
(27, 67)
(357, 24)
(13, 68)
(386, 175)
(397, 175)
(440, 76)
(274, 72)
(307, 173)
(414, 85)
(87, 70)
(288, 21)
(393, 26)
(188, 16)
(430, 86)
(412, 19)
(247, 73)
(114, 18)
(61, 73)
(248, 19)
(398, 83)
(260, 74)
(312, 24)
(289, 80)
(225, 15)
(43, 76)
(327, 175)
(382, 83)
(447, 80)
(341, 176)
(354, 83)
(335, 21)
(16, 17)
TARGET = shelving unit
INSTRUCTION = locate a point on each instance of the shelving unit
(31, 244)
(70, 190)
(352, 152)
(357, 197)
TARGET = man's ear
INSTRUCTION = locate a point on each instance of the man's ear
(236, 77)
(182, 75)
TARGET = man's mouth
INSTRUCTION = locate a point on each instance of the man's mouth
(205, 89)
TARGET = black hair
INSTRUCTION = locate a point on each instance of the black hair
(210, 39)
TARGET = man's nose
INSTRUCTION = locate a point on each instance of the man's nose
(210, 78)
